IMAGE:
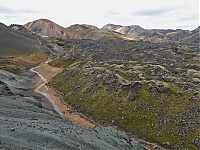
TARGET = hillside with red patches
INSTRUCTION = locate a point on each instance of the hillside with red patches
(49, 28)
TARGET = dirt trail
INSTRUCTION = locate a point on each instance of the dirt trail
(46, 73)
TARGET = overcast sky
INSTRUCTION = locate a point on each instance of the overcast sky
(173, 14)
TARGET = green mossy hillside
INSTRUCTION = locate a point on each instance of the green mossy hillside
(153, 110)
(18, 64)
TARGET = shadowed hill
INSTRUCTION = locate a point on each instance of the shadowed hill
(13, 43)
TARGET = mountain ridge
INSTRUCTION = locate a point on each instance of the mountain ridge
(48, 28)
(155, 35)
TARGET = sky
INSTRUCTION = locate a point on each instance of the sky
(149, 14)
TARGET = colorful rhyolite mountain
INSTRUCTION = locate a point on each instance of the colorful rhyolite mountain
(49, 28)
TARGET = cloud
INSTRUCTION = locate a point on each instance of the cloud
(189, 18)
(153, 12)
(181, 27)
(6, 10)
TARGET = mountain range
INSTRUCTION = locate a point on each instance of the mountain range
(155, 35)
(47, 28)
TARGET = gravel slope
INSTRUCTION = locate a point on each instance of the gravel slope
(26, 122)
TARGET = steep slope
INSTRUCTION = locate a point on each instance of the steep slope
(195, 36)
(27, 122)
(49, 28)
(13, 43)
(81, 27)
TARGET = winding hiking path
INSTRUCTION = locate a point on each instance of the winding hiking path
(46, 73)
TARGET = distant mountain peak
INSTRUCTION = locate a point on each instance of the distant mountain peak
(49, 28)
(111, 27)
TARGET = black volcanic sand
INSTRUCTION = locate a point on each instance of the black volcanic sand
(27, 122)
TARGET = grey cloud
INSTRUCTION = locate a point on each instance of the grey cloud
(192, 17)
(6, 10)
(153, 12)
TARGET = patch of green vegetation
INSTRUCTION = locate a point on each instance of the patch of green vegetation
(70, 49)
(9, 65)
(11, 51)
(15, 64)
(51, 40)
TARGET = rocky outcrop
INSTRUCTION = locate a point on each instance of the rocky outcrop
(111, 27)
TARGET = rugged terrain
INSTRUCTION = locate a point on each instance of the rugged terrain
(150, 90)
(27, 120)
